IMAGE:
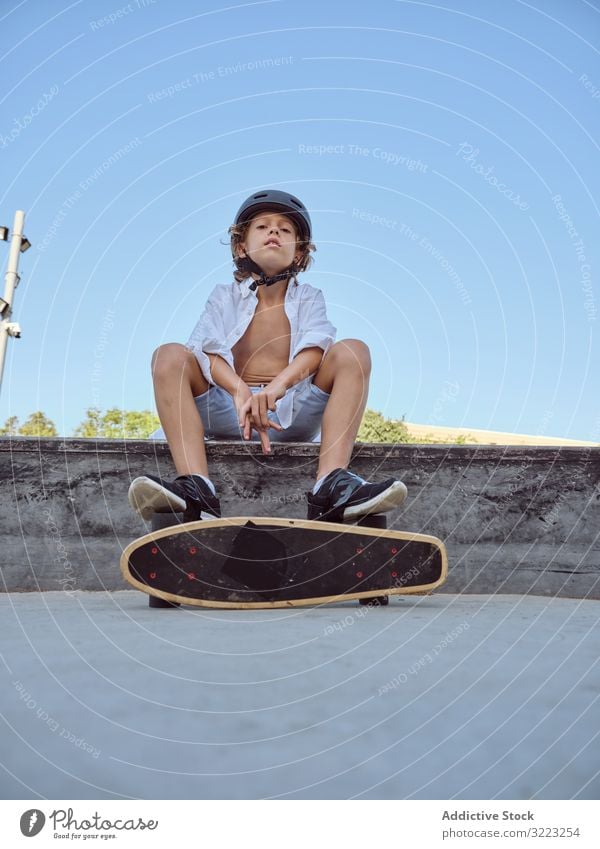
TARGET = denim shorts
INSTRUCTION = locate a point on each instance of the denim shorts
(220, 420)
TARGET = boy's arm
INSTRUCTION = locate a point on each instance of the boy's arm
(225, 376)
(311, 343)
(314, 328)
(302, 366)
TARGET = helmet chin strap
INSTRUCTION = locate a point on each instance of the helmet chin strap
(268, 281)
(247, 264)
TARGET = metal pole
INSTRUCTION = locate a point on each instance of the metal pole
(11, 281)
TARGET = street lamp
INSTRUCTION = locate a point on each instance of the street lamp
(18, 244)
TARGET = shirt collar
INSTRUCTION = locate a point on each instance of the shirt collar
(245, 289)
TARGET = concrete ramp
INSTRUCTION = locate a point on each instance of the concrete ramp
(435, 697)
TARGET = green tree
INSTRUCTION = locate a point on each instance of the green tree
(117, 424)
(465, 438)
(91, 426)
(139, 424)
(113, 423)
(38, 424)
(375, 428)
(11, 427)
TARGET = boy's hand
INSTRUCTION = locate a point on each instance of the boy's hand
(253, 413)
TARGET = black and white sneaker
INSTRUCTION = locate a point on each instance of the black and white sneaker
(189, 494)
(345, 496)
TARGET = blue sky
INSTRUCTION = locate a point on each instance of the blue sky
(448, 154)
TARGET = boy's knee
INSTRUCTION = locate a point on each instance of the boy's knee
(169, 355)
(354, 351)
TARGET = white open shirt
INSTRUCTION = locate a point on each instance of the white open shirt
(230, 309)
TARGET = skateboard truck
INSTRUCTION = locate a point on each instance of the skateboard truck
(374, 520)
(158, 522)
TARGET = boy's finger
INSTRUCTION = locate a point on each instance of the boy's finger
(264, 419)
(266, 444)
(264, 440)
(258, 415)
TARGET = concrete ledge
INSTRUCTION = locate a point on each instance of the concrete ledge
(515, 519)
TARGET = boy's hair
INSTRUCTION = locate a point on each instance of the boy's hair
(237, 233)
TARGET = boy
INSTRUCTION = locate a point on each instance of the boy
(264, 345)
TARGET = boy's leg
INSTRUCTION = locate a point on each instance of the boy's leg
(178, 379)
(340, 495)
(344, 374)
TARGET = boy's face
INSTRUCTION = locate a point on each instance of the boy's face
(271, 242)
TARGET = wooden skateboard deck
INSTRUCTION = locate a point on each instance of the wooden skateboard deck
(265, 562)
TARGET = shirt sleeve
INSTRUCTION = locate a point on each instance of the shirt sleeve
(209, 335)
(314, 328)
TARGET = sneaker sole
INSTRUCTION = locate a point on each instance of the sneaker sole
(391, 497)
(147, 497)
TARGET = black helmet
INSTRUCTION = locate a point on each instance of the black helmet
(280, 201)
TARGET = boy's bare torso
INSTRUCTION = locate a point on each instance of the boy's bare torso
(264, 350)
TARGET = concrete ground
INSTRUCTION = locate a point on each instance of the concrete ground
(439, 697)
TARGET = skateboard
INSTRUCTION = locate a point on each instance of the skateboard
(259, 562)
